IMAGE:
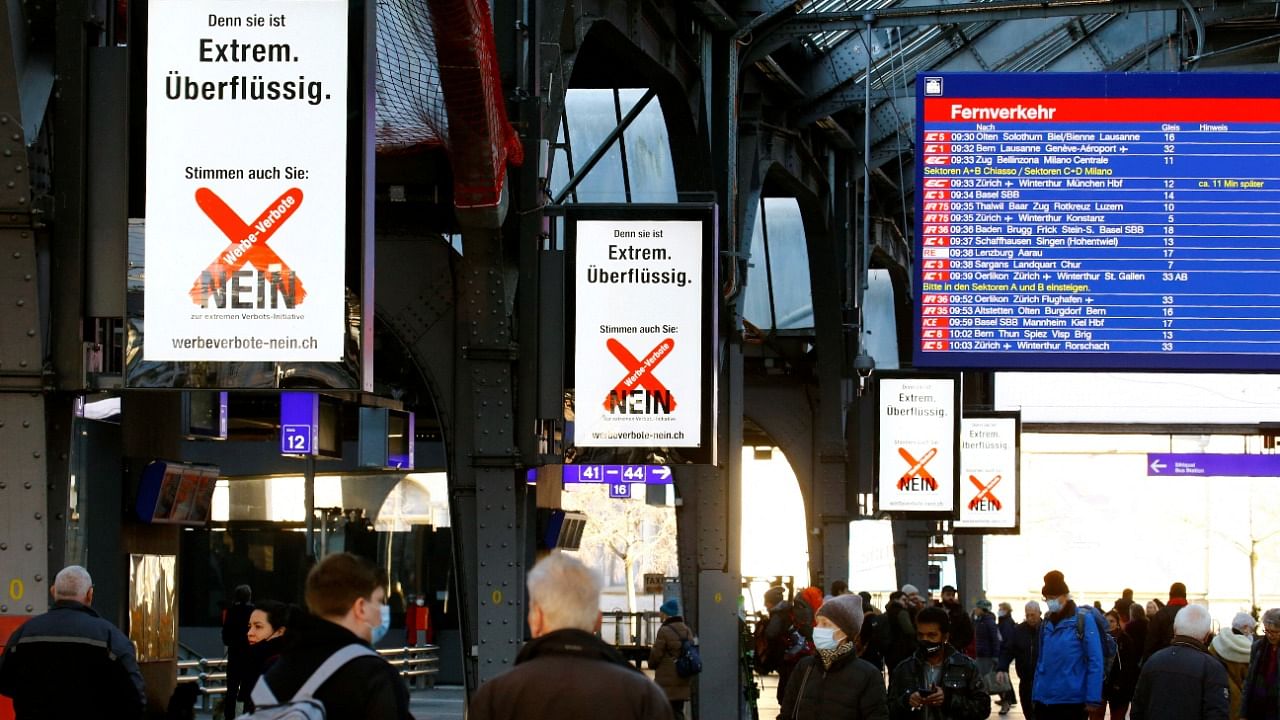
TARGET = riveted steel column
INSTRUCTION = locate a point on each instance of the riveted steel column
(24, 550)
(485, 487)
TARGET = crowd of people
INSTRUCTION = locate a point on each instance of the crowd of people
(836, 656)
(1161, 661)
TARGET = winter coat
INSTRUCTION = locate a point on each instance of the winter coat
(961, 633)
(1257, 665)
(1181, 682)
(569, 674)
(1123, 677)
(1137, 629)
(988, 636)
(1232, 651)
(1024, 649)
(259, 660)
(234, 627)
(851, 689)
(367, 688)
(71, 663)
(868, 638)
(967, 696)
(1007, 627)
(1070, 667)
(895, 635)
(662, 657)
(1160, 630)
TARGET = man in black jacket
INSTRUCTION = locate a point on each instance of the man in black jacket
(70, 662)
(937, 682)
(566, 671)
(1023, 648)
(961, 625)
(234, 637)
(1182, 681)
(1160, 626)
(349, 606)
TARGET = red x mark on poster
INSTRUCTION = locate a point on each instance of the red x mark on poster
(239, 233)
(917, 468)
(984, 492)
(639, 372)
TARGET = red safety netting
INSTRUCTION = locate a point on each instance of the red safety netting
(410, 101)
(481, 140)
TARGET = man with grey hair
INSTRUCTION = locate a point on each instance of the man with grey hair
(1260, 697)
(566, 671)
(1183, 681)
(70, 662)
(1023, 648)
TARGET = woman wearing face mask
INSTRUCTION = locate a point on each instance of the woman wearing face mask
(268, 636)
(835, 684)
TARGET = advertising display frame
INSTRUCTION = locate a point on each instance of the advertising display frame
(950, 440)
(350, 368)
(705, 451)
(1016, 529)
(1025, 104)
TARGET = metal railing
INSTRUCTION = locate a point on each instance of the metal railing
(417, 665)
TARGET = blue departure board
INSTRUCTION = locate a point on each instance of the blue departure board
(1098, 221)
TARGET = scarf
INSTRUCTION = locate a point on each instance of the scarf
(1233, 648)
(830, 656)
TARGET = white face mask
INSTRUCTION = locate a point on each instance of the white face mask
(824, 638)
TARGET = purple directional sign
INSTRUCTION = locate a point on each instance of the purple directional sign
(1212, 465)
(612, 474)
(619, 490)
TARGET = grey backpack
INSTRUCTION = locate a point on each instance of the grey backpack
(303, 706)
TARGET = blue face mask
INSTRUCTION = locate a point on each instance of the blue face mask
(380, 630)
(1054, 604)
(825, 638)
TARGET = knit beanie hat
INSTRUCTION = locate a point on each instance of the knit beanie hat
(984, 603)
(773, 595)
(670, 608)
(1054, 584)
(846, 612)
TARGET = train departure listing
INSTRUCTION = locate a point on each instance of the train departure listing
(1101, 221)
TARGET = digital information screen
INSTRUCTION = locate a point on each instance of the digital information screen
(1098, 221)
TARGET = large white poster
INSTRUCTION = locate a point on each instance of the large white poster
(988, 473)
(916, 470)
(246, 180)
(638, 341)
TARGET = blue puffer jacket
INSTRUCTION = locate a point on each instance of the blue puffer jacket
(1070, 667)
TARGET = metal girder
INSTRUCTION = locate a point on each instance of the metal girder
(996, 10)
(23, 504)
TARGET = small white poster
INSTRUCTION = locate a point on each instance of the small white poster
(638, 354)
(246, 180)
(916, 468)
(988, 473)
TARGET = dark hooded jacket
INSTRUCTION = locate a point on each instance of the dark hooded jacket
(569, 674)
(367, 688)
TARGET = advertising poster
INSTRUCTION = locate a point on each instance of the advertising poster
(638, 353)
(916, 463)
(988, 473)
(246, 180)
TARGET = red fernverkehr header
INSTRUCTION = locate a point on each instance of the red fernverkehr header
(1078, 110)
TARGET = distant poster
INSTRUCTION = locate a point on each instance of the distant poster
(640, 360)
(246, 200)
(989, 487)
(916, 462)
